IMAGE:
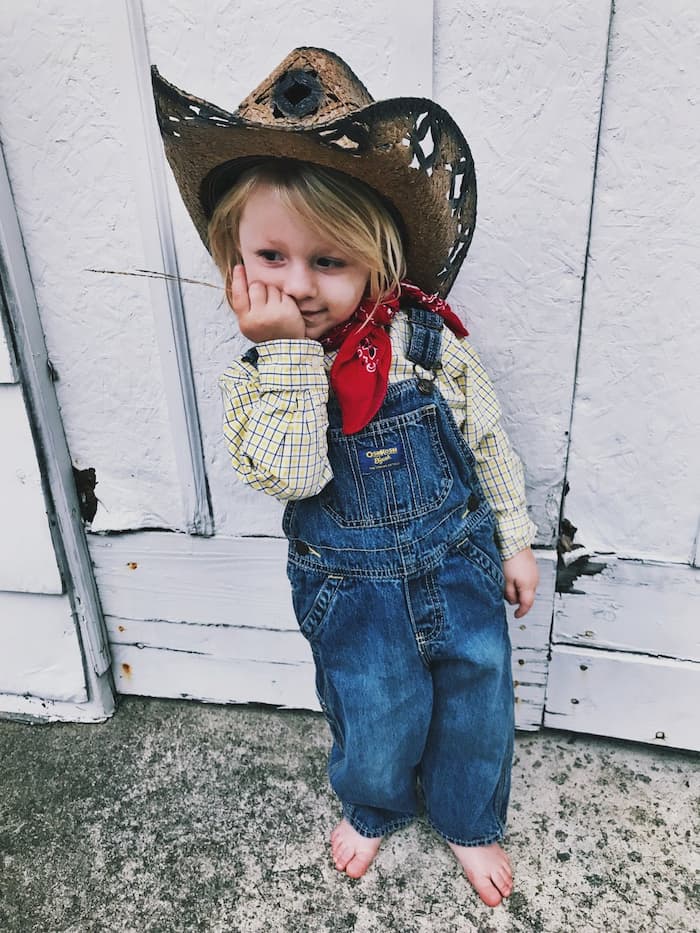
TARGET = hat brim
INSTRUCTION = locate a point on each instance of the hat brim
(408, 149)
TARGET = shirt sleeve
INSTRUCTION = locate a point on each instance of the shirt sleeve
(498, 467)
(275, 419)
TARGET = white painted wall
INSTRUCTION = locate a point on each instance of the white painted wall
(27, 558)
(530, 113)
(72, 182)
(222, 60)
(635, 461)
(524, 81)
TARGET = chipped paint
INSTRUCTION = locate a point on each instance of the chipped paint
(571, 566)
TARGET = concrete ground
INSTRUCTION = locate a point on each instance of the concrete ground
(177, 816)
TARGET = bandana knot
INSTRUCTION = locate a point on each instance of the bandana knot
(360, 372)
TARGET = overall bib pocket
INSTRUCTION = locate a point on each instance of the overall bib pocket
(393, 471)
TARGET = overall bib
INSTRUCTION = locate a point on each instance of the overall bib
(397, 585)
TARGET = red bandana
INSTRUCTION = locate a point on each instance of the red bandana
(360, 371)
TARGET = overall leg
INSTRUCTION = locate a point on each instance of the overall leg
(376, 693)
(466, 765)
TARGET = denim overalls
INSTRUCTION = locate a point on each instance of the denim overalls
(397, 585)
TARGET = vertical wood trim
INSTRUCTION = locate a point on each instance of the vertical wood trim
(52, 452)
(577, 360)
(8, 365)
(143, 140)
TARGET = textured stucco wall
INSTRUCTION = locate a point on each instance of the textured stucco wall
(222, 57)
(635, 460)
(71, 176)
(524, 79)
(525, 84)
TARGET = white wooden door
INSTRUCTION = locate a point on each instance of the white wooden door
(189, 563)
(212, 618)
(626, 652)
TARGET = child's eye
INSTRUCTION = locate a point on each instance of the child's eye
(327, 262)
(269, 255)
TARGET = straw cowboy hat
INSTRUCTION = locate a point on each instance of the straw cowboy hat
(314, 108)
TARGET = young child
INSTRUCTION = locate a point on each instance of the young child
(363, 407)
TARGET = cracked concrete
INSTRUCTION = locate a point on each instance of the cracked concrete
(177, 816)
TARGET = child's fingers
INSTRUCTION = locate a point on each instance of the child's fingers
(526, 597)
(511, 592)
(258, 295)
(237, 290)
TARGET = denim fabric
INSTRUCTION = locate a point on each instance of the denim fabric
(397, 585)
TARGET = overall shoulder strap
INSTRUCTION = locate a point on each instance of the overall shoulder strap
(425, 337)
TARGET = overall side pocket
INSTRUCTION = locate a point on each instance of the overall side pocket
(479, 548)
(313, 596)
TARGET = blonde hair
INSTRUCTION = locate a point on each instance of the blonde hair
(341, 208)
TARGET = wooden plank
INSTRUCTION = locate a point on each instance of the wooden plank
(41, 654)
(40, 710)
(149, 669)
(27, 557)
(144, 143)
(224, 642)
(160, 575)
(195, 602)
(411, 66)
(154, 672)
(172, 577)
(624, 695)
(633, 606)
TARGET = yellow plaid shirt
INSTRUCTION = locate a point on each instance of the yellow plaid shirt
(275, 423)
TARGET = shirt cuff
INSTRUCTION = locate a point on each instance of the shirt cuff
(290, 365)
(512, 540)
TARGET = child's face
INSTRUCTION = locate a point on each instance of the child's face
(279, 248)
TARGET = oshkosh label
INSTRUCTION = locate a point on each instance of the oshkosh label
(381, 458)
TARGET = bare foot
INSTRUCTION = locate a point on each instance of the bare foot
(352, 853)
(488, 870)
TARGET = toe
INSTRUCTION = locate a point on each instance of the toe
(342, 855)
(488, 892)
(503, 881)
(358, 865)
(485, 888)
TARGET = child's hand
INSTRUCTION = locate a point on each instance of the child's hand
(522, 577)
(263, 311)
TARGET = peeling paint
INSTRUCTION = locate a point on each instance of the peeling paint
(570, 567)
(85, 482)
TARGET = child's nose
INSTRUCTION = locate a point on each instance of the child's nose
(299, 282)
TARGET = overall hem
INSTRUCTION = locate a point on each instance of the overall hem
(374, 833)
(487, 840)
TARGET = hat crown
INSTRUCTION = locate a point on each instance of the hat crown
(308, 88)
